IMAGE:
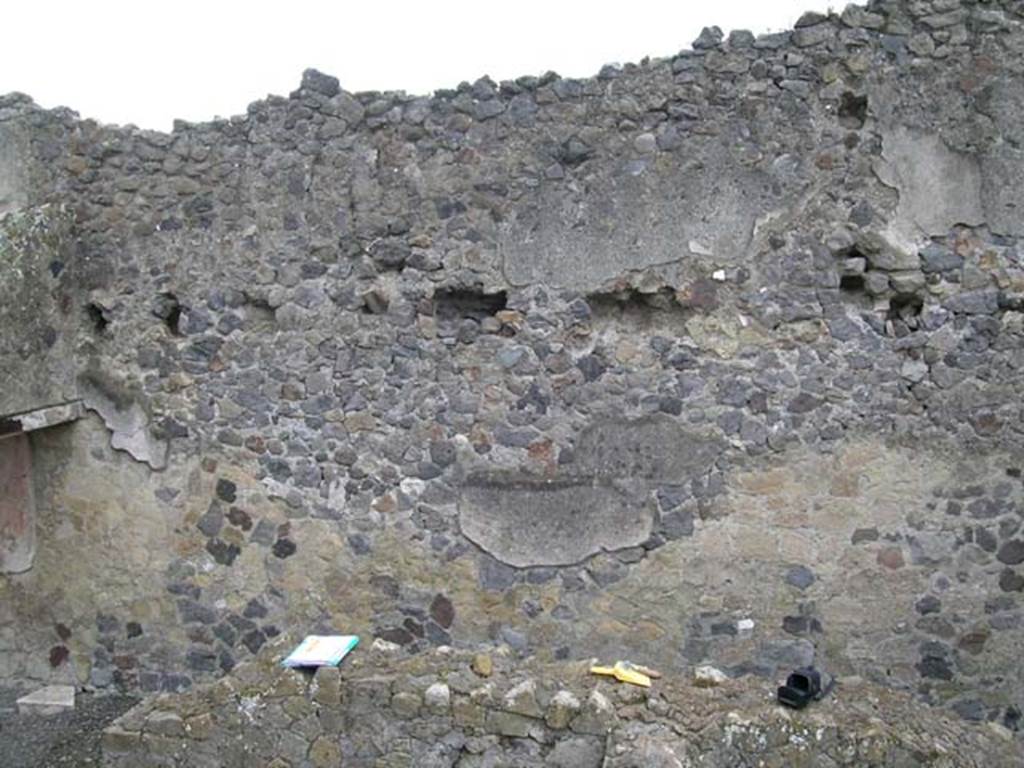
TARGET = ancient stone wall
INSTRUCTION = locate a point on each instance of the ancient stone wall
(445, 708)
(712, 358)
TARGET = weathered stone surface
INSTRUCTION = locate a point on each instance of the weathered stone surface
(679, 291)
(938, 187)
(688, 198)
(541, 523)
(127, 420)
(563, 707)
(577, 752)
(438, 697)
(522, 699)
(706, 676)
(599, 507)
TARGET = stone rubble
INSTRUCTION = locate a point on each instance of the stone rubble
(530, 714)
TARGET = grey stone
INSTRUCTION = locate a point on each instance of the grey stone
(211, 522)
(789, 654)
(739, 39)
(973, 303)
(808, 36)
(325, 85)
(495, 575)
(522, 699)
(192, 612)
(1011, 552)
(645, 143)
(485, 110)
(677, 524)
(710, 37)
(562, 708)
(437, 698)
(509, 724)
(596, 716)
(936, 258)
(265, 533)
(800, 576)
(577, 752)
(48, 701)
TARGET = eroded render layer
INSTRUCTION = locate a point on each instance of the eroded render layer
(713, 358)
(447, 708)
(39, 314)
(17, 506)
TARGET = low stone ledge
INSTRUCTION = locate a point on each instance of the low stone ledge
(51, 700)
(433, 709)
(40, 418)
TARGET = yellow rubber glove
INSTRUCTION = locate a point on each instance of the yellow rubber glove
(624, 674)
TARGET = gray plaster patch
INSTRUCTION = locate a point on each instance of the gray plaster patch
(625, 223)
(128, 423)
(938, 187)
(36, 331)
(528, 523)
(602, 506)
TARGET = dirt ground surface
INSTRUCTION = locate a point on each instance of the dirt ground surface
(71, 739)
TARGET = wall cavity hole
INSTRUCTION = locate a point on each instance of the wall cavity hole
(853, 110)
(904, 311)
(259, 315)
(905, 306)
(168, 308)
(97, 316)
(658, 311)
(374, 303)
(852, 284)
(173, 319)
(452, 304)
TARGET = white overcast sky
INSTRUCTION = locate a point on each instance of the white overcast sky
(148, 63)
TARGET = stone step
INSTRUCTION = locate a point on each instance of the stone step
(51, 700)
